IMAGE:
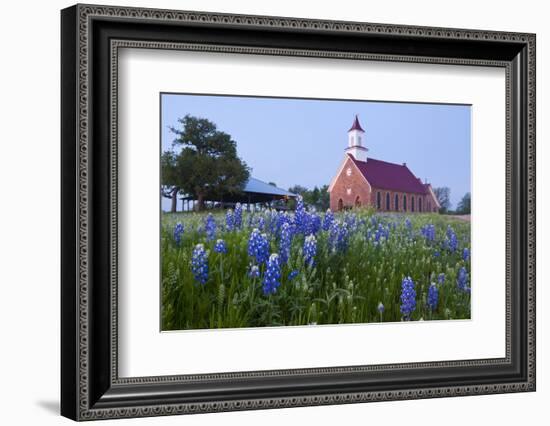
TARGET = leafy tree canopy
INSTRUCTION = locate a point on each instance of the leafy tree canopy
(464, 206)
(207, 166)
(443, 195)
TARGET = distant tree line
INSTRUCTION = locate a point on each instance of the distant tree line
(317, 197)
(443, 195)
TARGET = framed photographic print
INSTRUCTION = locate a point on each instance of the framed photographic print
(263, 212)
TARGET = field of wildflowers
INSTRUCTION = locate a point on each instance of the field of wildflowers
(266, 268)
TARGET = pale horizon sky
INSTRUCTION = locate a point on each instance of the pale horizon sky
(302, 141)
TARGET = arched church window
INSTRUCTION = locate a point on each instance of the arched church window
(358, 202)
(404, 202)
(412, 204)
(419, 204)
(340, 204)
(388, 207)
(396, 203)
(378, 200)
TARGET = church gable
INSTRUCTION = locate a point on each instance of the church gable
(349, 188)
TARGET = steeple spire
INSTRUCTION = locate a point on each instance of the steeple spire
(356, 125)
(355, 141)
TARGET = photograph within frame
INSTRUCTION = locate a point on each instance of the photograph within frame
(367, 242)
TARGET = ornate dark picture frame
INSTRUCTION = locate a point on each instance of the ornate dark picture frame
(91, 37)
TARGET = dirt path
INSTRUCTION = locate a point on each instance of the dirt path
(464, 217)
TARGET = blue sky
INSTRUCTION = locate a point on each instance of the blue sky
(302, 141)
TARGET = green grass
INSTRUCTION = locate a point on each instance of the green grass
(344, 286)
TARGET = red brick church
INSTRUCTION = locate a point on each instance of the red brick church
(389, 187)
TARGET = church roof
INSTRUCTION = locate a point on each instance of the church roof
(356, 125)
(390, 176)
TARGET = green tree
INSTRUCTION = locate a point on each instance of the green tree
(464, 206)
(443, 195)
(207, 167)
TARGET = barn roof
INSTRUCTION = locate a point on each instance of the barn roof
(390, 176)
(258, 186)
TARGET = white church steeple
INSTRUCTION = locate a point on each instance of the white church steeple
(356, 137)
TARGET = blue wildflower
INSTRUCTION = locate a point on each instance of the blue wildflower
(254, 271)
(284, 243)
(258, 246)
(328, 220)
(272, 275)
(220, 247)
(199, 264)
(436, 253)
(381, 232)
(381, 307)
(261, 223)
(441, 278)
(292, 274)
(300, 216)
(229, 220)
(310, 249)
(408, 298)
(408, 224)
(210, 227)
(178, 232)
(452, 241)
(313, 223)
(238, 215)
(428, 231)
(433, 296)
(462, 279)
(466, 254)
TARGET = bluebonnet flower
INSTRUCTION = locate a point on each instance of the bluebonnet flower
(381, 308)
(210, 227)
(258, 246)
(229, 220)
(328, 220)
(282, 219)
(300, 216)
(465, 254)
(441, 278)
(436, 253)
(199, 264)
(338, 236)
(238, 215)
(220, 247)
(381, 232)
(261, 223)
(178, 232)
(292, 274)
(433, 296)
(462, 279)
(310, 249)
(272, 275)
(254, 271)
(351, 221)
(408, 297)
(343, 234)
(452, 241)
(428, 231)
(408, 224)
(313, 223)
(284, 243)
